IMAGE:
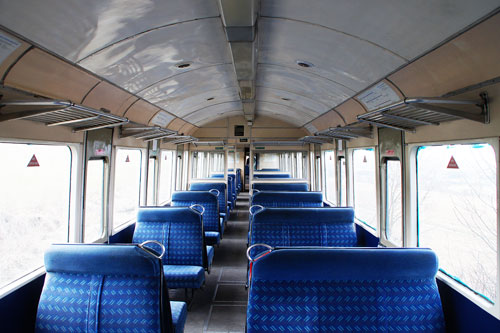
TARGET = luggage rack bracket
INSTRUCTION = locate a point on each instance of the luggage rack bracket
(406, 115)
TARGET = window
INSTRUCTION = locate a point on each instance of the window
(34, 205)
(364, 187)
(393, 202)
(342, 182)
(151, 193)
(127, 185)
(166, 176)
(330, 181)
(457, 212)
(94, 201)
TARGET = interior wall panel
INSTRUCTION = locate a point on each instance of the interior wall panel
(468, 59)
(141, 112)
(40, 73)
(107, 96)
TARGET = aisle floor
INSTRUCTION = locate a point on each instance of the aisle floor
(221, 305)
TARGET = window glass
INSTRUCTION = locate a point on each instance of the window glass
(166, 176)
(330, 181)
(151, 195)
(34, 205)
(127, 185)
(94, 201)
(343, 182)
(364, 187)
(394, 204)
(457, 212)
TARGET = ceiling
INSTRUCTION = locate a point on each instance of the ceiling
(194, 58)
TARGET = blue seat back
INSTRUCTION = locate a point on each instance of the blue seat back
(231, 181)
(288, 199)
(217, 175)
(295, 187)
(103, 288)
(348, 289)
(207, 200)
(179, 229)
(284, 227)
(221, 187)
(271, 175)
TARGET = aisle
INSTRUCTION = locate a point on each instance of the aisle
(221, 305)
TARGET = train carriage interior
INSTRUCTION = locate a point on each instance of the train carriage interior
(249, 166)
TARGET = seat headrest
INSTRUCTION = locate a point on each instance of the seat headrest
(101, 259)
(207, 186)
(302, 215)
(168, 214)
(302, 187)
(340, 264)
(194, 196)
(277, 196)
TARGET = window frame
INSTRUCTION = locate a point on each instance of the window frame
(411, 216)
(112, 228)
(350, 188)
(74, 201)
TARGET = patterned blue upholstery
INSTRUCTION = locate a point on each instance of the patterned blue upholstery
(271, 175)
(295, 187)
(211, 220)
(210, 255)
(231, 185)
(221, 187)
(180, 230)
(360, 290)
(325, 227)
(287, 199)
(184, 276)
(105, 288)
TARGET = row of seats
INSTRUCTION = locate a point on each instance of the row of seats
(308, 273)
(125, 288)
(294, 187)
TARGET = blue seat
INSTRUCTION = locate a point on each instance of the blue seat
(284, 227)
(180, 230)
(294, 187)
(211, 219)
(106, 288)
(221, 187)
(271, 175)
(346, 289)
(231, 189)
(287, 199)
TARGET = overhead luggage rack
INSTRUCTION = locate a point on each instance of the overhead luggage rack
(346, 132)
(146, 133)
(317, 139)
(209, 143)
(277, 143)
(59, 113)
(412, 112)
(180, 139)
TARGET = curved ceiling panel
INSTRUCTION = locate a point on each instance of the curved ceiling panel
(212, 112)
(168, 93)
(302, 83)
(279, 97)
(75, 29)
(407, 28)
(188, 105)
(141, 61)
(284, 112)
(348, 61)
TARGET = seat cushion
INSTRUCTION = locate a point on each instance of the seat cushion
(179, 314)
(210, 255)
(212, 237)
(184, 276)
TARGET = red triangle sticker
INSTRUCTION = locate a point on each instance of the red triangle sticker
(33, 162)
(127, 159)
(452, 164)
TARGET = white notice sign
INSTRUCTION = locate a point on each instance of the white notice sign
(7, 46)
(311, 128)
(162, 119)
(378, 96)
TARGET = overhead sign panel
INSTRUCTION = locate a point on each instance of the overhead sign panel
(7, 46)
(378, 96)
(162, 119)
